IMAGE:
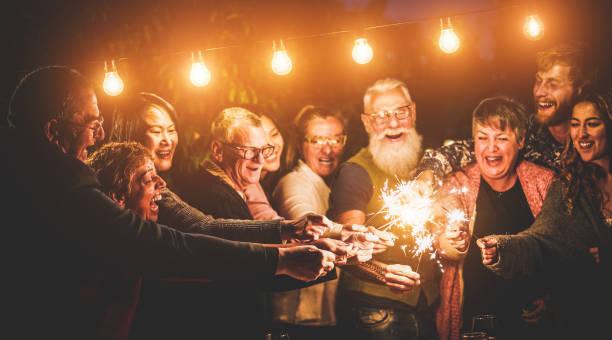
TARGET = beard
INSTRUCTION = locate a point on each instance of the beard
(399, 160)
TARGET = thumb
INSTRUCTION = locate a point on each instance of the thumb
(486, 242)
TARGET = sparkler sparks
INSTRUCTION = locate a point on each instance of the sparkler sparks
(410, 208)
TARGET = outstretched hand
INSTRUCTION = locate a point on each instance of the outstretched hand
(306, 263)
(488, 249)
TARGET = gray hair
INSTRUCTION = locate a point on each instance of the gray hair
(384, 85)
(225, 124)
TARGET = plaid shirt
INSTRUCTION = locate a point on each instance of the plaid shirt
(540, 148)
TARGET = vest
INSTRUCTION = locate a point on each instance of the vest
(428, 269)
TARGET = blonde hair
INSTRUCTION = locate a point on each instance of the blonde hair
(228, 120)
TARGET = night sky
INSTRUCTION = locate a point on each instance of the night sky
(153, 41)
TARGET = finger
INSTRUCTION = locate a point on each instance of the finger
(328, 266)
(328, 256)
(358, 227)
(341, 260)
(401, 280)
(406, 272)
(398, 287)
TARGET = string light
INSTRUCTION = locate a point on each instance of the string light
(281, 63)
(199, 75)
(449, 41)
(113, 84)
(362, 51)
(533, 28)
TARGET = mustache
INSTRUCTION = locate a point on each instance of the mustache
(397, 131)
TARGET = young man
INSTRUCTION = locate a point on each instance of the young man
(564, 72)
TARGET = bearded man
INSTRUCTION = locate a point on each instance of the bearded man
(370, 308)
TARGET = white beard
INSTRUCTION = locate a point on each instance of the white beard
(397, 160)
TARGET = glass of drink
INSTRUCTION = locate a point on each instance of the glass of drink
(474, 336)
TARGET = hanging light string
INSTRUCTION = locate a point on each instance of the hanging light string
(333, 33)
(281, 63)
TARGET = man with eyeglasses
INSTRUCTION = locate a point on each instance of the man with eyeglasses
(64, 232)
(368, 307)
(238, 148)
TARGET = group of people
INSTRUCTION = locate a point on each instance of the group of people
(109, 245)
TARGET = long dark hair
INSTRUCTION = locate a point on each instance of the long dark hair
(578, 176)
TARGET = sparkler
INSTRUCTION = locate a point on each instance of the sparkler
(410, 207)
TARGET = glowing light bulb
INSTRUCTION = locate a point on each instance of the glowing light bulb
(449, 41)
(362, 51)
(533, 28)
(199, 75)
(113, 84)
(281, 63)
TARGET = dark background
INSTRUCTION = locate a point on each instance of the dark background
(153, 41)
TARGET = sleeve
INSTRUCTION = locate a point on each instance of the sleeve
(447, 159)
(181, 216)
(294, 197)
(111, 235)
(448, 199)
(554, 238)
(258, 203)
(352, 190)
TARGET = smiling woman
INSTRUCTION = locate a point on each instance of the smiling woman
(504, 194)
(151, 121)
(127, 175)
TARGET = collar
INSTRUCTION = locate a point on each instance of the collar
(215, 170)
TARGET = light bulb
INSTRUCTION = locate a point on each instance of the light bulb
(449, 41)
(362, 51)
(199, 75)
(113, 84)
(533, 28)
(281, 63)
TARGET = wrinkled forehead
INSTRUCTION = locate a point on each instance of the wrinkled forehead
(249, 135)
(389, 100)
(145, 166)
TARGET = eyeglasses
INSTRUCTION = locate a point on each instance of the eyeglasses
(383, 116)
(251, 152)
(95, 125)
(320, 141)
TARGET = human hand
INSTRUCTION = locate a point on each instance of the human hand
(362, 248)
(381, 240)
(457, 238)
(309, 227)
(306, 263)
(488, 248)
(401, 278)
(535, 311)
(341, 249)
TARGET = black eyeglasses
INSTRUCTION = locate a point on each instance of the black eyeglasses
(95, 125)
(251, 152)
(383, 116)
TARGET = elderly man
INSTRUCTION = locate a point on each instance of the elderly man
(563, 73)
(369, 308)
(63, 228)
